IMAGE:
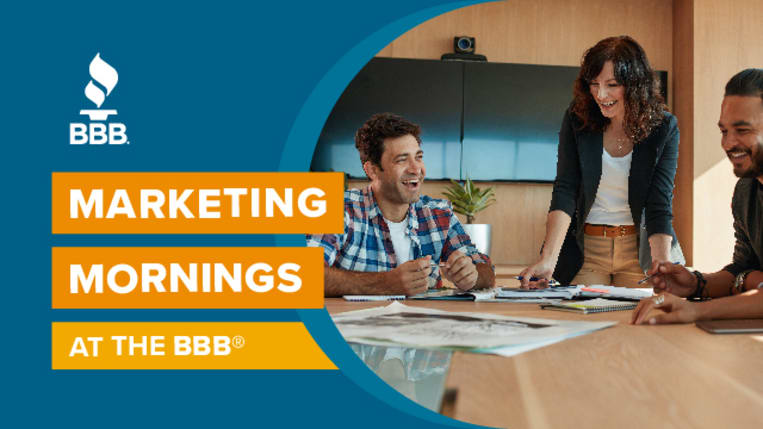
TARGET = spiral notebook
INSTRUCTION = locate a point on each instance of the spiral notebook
(597, 305)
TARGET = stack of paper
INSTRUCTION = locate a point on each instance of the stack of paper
(616, 292)
(596, 305)
(398, 324)
(448, 294)
(571, 292)
(538, 295)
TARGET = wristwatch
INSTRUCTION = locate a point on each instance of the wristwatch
(739, 281)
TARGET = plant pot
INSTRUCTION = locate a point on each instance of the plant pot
(480, 236)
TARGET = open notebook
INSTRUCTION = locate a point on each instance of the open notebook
(597, 305)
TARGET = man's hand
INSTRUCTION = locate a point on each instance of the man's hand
(672, 278)
(677, 310)
(542, 270)
(460, 270)
(410, 278)
(753, 279)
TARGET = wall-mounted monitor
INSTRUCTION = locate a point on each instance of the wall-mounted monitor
(486, 121)
(512, 114)
(425, 92)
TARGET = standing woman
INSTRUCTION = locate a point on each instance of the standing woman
(611, 216)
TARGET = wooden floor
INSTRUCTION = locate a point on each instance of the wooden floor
(622, 377)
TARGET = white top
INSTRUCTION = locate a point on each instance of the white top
(611, 204)
(401, 242)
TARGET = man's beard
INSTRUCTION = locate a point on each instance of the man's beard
(757, 162)
(756, 169)
(397, 195)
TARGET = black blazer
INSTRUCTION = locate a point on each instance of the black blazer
(650, 188)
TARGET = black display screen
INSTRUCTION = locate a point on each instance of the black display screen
(512, 115)
(487, 121)
(426, 92)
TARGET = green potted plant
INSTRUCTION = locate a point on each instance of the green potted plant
(469, 200)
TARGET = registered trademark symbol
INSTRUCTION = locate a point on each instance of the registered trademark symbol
(238, 341)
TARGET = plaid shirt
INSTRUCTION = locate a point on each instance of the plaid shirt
(366, 246)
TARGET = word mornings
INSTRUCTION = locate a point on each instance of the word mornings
(187, 277)
(258, 277)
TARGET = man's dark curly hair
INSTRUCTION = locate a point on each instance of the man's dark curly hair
(644, 106)
(370, 137)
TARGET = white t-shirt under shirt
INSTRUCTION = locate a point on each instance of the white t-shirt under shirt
(611, 204)
(401, 242)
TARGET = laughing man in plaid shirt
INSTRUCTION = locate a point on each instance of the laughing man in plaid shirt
(394, 239)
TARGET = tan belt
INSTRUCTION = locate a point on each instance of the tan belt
(609, 230)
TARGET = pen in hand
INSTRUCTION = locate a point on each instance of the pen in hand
(645, 279)
(551, 282)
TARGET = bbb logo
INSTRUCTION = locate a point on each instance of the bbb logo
(98, 131)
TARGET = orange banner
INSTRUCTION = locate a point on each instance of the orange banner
(187, 277)
(197, 203)
(185, 345)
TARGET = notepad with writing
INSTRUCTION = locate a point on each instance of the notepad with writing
(597, 305)
(374, 297)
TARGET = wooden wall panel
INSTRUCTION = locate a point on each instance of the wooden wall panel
(537, 32)
(683, 107)
(701, 43)
(543, 31)
(727, 39)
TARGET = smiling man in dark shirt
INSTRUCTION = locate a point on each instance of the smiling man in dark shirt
(740, 282)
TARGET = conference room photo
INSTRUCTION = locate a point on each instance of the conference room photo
(553, 214)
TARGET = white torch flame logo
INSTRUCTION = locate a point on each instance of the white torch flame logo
(104, 74)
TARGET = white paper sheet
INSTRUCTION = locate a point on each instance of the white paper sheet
(428, 328)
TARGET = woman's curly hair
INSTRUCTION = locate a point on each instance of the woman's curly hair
(644, 105)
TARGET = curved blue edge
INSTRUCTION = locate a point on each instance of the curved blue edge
(298, 150)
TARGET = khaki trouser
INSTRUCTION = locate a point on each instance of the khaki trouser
(610, 261)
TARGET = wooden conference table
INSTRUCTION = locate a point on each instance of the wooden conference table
(674, 376)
